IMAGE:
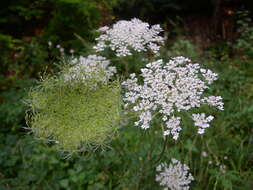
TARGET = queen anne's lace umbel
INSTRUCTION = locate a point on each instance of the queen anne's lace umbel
(86, 68)
(201, 121)
(169, 88)
(125, 36)
(174, 177)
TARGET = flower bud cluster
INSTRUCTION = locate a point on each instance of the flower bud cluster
(174, 177)
(169, 88)
(125, 36)
(86, 68)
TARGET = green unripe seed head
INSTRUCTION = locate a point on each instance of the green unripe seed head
(75, 115)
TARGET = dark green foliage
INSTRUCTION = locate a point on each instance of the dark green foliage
(27, 26)
(160, 10)
(12, 107)
(7, 45)
(244, 43)
(62, 26)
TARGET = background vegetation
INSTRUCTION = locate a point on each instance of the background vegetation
(218, 34)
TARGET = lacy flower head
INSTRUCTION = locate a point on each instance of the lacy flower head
(125, 36)
(76, 115)
(89, 68)
(168, 89)
(174, 177)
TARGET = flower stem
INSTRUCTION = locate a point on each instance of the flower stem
(163, 150)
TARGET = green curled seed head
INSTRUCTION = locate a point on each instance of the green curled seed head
(75, 115)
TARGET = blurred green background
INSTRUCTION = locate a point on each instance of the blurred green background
(216, 33)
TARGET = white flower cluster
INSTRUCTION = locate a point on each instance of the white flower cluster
(169, 88)
(125, 36)
(201, 121)
(174, 177)
(86, 68)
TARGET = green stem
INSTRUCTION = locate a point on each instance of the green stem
(126, 68)
(163, 150)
